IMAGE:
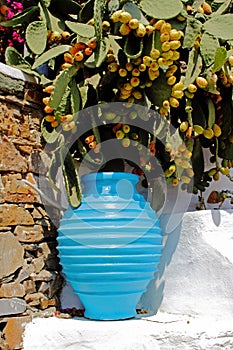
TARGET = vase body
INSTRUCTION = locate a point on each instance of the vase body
(110, 246)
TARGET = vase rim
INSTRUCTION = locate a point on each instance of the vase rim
(109, 175)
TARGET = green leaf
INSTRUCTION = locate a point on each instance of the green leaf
(101, 51)
(194, 67)
(53, 23)
(208, 47)
(51, 53)
(75, 97)
(220, 58)
(198, 115)
(83, 30)
(161, 9)
(211, 112)
(99, 9)
(49, 137)
(60, 85)
(36, 36)
(197, 160)
(159, 91)
(133, 46)
(14, 59)
(64, 105)
(71, 178)
(135, 12)
(220, 27)
(193, 28)
(223, 8)
(22, 17)
(158, 194)
(46, 2)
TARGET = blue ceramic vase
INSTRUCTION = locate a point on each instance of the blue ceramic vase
(110, 246)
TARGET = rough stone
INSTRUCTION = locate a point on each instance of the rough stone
(13, 332)
(32, 234)
(11, 254)
(12, 214)
(9, 84)
(45, 303)
(13, 289)
(10, 157)
(25, 272)
(12, 306)
(30, 286)
(38, 264)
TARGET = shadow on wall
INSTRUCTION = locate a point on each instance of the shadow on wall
(153, 297)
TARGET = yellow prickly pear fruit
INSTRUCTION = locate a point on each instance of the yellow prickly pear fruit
(176, 55)
(198, 129)
(65, 35)
(148, 83)
(137, 61)
(141, 30)
(113, 67)
(134, 81)
(175, 182)
(137, 94)
(128, 86)
(166, 104)
(165, 46)
(212, 172)
(162, 61)
(153, 74)
(154, 54)
(178, 86)
(124, 29)
(189, 172)
(126, 128)
(122, 72)
(175, 44)
(184, 126)
(164, 37)
(109, 115)
(120, 134)
(125, 17)
(165, 28)
(189, 94)
(216, 176)
(149, 29)
(174, 102)
(192, 88)
(105, 25)
(50, 118)
(168, 55)
(147, 60)
(135, 72)
(129, 66)
(159, 24)
(187, 154)
(163, 111)
(175, 34)
(115, 15)
(177, 94)
(154, 66)
(171, 70)
(133, 23)
(224, 171)
(68, 126)
(67, 118)
(201, 82)
(217, 130)
(171, 80)
(208, 133)
(172, 169)
(142, 67)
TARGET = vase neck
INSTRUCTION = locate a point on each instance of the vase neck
(118, 184)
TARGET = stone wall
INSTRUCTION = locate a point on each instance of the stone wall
(30, 278)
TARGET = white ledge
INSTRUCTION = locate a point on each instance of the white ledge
(15, 73)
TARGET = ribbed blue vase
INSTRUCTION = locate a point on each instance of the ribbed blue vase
(110, 246)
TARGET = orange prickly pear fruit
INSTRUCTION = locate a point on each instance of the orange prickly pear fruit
(3, 10)
(48, 109)
(50, 118)
(206, 8)
(54, 124)
(49, 89)
(46, 101)
(92, 43)
(65, 35)
(79, 56)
